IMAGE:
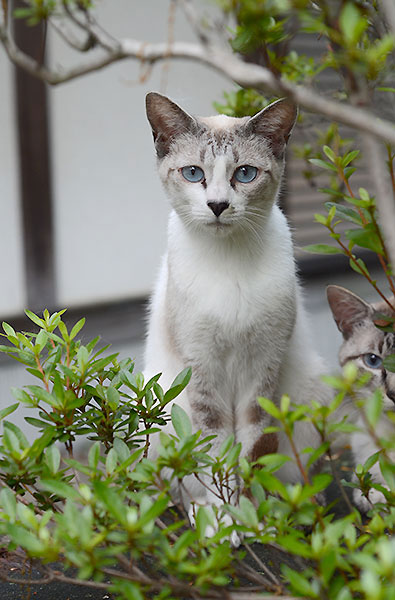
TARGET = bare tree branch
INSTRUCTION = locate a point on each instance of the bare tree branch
(385, 201)
(389, 11)
(70, 39)
(226, 63)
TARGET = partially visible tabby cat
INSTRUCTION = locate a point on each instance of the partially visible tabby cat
(367, 346)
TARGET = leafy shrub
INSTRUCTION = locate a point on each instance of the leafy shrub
(109, 516)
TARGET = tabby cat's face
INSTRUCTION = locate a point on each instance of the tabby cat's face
(363, 342)
(221, 173)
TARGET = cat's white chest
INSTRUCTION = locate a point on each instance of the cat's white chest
(228, 285)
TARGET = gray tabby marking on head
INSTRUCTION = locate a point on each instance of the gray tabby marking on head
(363, 342)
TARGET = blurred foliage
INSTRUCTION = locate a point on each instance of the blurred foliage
(108, 516)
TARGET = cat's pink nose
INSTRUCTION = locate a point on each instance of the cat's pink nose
(218, 207)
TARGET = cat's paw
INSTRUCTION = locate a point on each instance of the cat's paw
(364, 504)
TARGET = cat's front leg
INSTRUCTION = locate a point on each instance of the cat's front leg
(212, 416)
(252, 420)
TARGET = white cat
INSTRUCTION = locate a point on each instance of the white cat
(365, 345)
(227, 301)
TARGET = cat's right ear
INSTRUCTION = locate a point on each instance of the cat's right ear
(167, 121)
(347, 308)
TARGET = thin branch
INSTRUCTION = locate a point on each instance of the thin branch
(389, 10)
(4, 5)
(226, 63)
(262, 566)
(384, 198)
(193, 20)
(70, 39)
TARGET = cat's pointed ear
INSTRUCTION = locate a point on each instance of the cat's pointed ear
(275, 123)
(167, 121)
(347, 308)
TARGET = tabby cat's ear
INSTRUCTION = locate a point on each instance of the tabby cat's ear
(167, 121)
(347, 308)
(275, 123)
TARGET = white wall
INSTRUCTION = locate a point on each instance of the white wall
(12, 291)
(110, 211)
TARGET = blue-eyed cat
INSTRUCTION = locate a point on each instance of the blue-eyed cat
(227, 301)
(366, 345)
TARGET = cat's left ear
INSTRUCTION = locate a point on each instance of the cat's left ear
(275, 123)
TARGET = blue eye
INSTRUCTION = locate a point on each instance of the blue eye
(372, 360)
(192, 174)
(245, 173)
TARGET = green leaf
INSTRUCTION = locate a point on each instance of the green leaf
(349, 157)
(113, 397)
(322, 219)
(11, 442)
(34, 318)
(180, 382)
(82, 358)
(8, 410)
(111, 461)
(52, 458)
(39, 444)
(77, 328)
(329, 153)
(269, 407)
(299, 582)
(41, 340)
(158, 391)
(294, 545)
(322, 249)
(226, 445)
(63, 330)
(22, 396)
(22, 537)
(373, 407)
(127, 590)
(248, 512)
(60, 488)
(181, 422)
(8, 502)
(360, 267)
(44, 396)
(94, 455)
(233, 456)
(9, 330)
(352, 23)
(18, 432)
(366, 238)
(111, 500)
(323, 164)
(202, 521)
(154, 510)
(345, 212)
(36, 422)
(121, 449)
(273, 461)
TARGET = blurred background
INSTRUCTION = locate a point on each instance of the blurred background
(83, 216)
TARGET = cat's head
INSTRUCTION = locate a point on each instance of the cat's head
(363, 342)
(220, 173)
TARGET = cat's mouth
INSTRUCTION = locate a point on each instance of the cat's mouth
(218, 222)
